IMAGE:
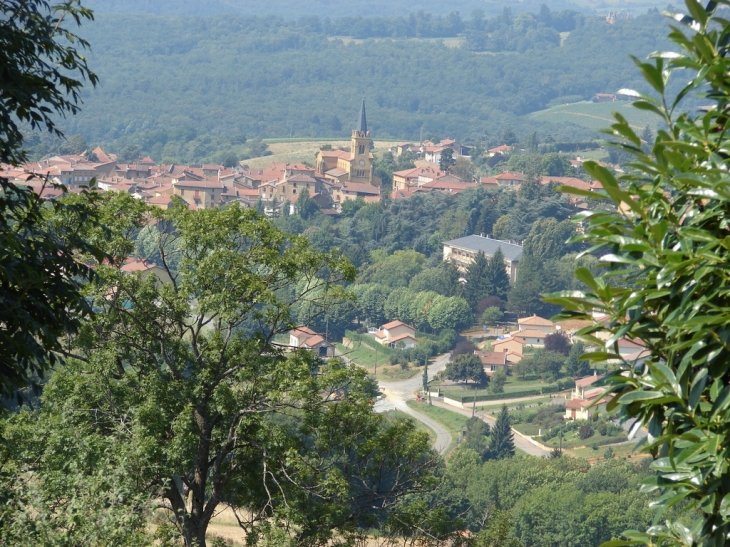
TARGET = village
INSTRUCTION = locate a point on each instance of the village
(335, 177)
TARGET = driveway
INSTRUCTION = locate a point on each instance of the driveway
(395, 395)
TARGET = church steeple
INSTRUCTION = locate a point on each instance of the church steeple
(362, 125)
(361, 161)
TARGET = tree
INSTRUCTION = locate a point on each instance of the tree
(464, 169)
(178, 398)
(451, 312)
(447, 160)
(464, 347)
(497, 381)
(496, 275)
(499, 531)
(40, 278)
(549, 362)
(475, 438)
(574, 365)
(557, 342)
(492, 316)
(502, 444)
(306, 206)
(663, 245)
(463, 368)
(478, 284)
(43, 68)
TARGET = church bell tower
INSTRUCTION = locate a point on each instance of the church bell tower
(361, 163)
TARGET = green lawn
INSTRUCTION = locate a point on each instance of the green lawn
(512, 406)
(596, 115)
(366, 357)
(453, 422)
(572, 439)
(619, 450)
(526, 429)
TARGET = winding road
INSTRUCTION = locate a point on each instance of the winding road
(397, 393)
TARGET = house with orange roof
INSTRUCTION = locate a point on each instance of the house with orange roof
(566, 181)
(585, 395)
(204, 193)
(500, 151)
(533, 338)
(395, 334)
(306, 338)
(146, 269)
(535, 322)
(493, 360)
(411, 177)
(353, 190)
(512, 344)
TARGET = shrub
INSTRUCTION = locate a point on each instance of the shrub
(585, 431)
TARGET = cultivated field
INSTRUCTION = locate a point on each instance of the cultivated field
(596, 115)
(303, 150)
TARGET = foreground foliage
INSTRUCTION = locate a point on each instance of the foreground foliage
(667, 246)
(178, 402)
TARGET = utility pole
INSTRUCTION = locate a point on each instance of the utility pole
(474, 402)
(376, 362)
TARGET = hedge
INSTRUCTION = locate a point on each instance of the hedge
(510, 395)
(368, 341)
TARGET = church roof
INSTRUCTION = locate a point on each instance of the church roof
(362, 124)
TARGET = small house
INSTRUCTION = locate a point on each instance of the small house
(395, 333)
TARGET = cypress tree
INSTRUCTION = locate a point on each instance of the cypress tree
(503, 443)
(497, 276)
(477, 280)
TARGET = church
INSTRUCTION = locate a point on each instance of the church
(355, 166)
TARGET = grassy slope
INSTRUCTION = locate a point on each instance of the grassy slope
(303, 150)
(595, 115)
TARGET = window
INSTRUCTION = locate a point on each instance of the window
(492, 368)
(294, 191)
(361, 149)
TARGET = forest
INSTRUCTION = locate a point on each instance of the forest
(304, 8)
(191, 90)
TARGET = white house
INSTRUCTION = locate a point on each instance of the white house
(394, 332)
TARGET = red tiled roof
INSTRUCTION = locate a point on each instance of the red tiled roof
(402, 337)
(492, 357)
(394, 324)
(535, 320)
(360, 188)
(588, 380)
(205, 183)
(134, 265)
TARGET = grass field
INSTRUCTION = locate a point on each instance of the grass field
(365, 357)
(596, 115)
(621, 450)
(303, 150)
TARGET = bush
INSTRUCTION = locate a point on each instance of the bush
(585, 431)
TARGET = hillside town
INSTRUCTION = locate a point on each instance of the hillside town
(336, 177)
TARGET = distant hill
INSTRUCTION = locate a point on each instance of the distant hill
(190, 89)
(366, 8)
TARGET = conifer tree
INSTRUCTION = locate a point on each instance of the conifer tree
(503, 443)
(477, 280)
(497, 275)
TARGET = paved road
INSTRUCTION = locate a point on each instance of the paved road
(395, 395)
(520, 443)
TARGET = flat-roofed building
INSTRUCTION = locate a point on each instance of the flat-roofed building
(462, 252)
